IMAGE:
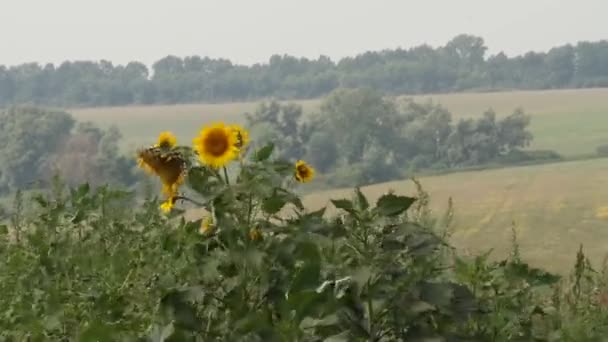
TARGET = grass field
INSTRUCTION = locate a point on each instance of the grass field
(555, 207)
(569, 121)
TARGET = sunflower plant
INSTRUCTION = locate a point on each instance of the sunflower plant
(274, 271)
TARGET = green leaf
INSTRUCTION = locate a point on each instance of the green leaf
(362, 202)
(177, 306)
(533, 276)
(264, 153)
(274, 204)
(343, 204)
(3, 229)
(78, 217)
(392, 205)
(307, 276)
(82, 191)
(200, 180)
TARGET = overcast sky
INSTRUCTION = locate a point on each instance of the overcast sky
(249, 31)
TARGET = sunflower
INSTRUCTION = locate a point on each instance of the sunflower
(166, 140)
(206, 225)
(255, 234)
(242, 136)
(304, 172)
(169, 167)
(216, 145)
(168, 204)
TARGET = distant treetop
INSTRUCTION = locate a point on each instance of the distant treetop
(461, 65)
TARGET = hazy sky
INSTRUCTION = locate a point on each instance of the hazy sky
(249, 31)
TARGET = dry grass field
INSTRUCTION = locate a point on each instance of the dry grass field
(554, 207)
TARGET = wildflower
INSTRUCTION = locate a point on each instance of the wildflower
(166, 140)
(255, 234)
(167, 205)
(304, 172)
(242, 136)
(216, 145)
(206, 225)
(169, 167)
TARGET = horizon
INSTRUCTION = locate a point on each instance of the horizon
(266, 61)
(68, 30)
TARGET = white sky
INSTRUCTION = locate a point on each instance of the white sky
(249, 31)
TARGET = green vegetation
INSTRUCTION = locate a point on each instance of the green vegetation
(90, 264)
(462, 64)
(37, 144)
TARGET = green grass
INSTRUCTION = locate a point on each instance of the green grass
(555, 207)
(571, 122)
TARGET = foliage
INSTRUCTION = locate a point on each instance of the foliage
(280, 124)
(38, 143)
(377, 139)
(461, 64)
(91, 264)
(359, 137)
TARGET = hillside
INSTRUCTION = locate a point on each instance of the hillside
(555, 207)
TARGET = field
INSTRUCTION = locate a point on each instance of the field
(571, 122)
(554, 208)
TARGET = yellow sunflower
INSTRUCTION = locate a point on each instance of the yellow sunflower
(166, 140)
(242, 136)
(206, 225)
(216, 145)
(255, 234)
(169, 167)
(167, 205)
(304, 172)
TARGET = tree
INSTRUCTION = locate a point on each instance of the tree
(468, 51)
(27, 135)
(359, 118)
(560, 66)
(512, 131)
(281, 121)
(322, 150)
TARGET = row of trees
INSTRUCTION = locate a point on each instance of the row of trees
(36, 144)
(462, 64)
(361, 137)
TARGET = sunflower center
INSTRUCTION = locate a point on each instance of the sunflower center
(303, 171)
(216, 143)
(164, 144)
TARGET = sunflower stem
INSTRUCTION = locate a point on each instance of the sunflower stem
(226, 175)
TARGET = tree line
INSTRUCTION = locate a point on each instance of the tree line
(360, 137)
(461, 64)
